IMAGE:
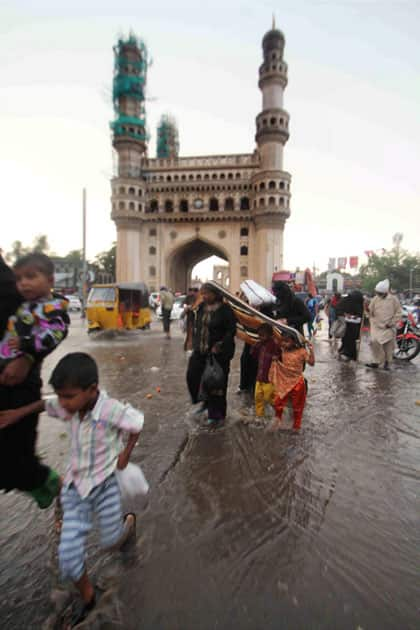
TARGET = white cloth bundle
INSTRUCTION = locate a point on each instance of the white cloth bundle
(256, 294)
(132, 481)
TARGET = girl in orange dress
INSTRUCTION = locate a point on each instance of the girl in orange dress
(286, 374)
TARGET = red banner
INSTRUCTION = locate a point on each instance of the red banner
(354, 262)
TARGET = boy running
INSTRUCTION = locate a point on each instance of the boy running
(95, 423)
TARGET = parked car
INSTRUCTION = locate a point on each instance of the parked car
(74, 302)
(154, 300)
(177, 309)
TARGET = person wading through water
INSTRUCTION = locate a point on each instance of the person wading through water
(384, 313)
(213, 333)
(167, 302)
(288, 308)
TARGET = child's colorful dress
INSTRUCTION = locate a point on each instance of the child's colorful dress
(40, 326)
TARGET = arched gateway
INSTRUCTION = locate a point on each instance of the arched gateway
(172, 212)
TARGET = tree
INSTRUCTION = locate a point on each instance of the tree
(40, 245)
(74, 257)
(105, 262)
(395, 264)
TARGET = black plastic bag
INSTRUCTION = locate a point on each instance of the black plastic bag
(213, 379)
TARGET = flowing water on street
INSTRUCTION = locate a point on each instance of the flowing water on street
(243, 528)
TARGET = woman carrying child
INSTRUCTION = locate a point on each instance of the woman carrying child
(286, 375)
(33, 323)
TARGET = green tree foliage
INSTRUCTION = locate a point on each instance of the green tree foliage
(74, 257)
(39, 244)
(105, 262)
(394, 264)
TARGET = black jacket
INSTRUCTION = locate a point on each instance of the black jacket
(9, 296)
(351, 304)
(289, 307)
(222, 330)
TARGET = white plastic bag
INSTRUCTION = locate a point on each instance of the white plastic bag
(132, 481)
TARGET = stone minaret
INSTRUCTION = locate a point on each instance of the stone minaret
(129, 142)
(271, 185)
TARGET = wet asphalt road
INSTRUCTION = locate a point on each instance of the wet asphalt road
(244, 529)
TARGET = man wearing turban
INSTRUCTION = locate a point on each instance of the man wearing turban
(384, 313)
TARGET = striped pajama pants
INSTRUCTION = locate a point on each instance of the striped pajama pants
(104, 502)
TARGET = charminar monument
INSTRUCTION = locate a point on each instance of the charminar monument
(171, 212)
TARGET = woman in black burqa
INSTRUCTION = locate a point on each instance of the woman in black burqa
(351, 308)
(288, 307)
(213, 334)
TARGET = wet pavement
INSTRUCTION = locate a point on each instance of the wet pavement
(244, 528)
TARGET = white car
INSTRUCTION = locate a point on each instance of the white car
(177, 309)
(74, 302)
(154, 299)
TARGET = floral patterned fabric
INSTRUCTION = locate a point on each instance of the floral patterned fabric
(40, 326)
(287, 373)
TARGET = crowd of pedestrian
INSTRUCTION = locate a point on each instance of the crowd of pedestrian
(34, 321)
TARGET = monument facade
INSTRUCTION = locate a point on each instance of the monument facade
(171, 212)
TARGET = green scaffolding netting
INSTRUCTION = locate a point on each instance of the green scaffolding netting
(125, 85)
(167, 138)
(130, 70)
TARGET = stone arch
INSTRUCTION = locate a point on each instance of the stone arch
(183, 257)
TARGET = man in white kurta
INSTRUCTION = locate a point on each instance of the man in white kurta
(384, 313)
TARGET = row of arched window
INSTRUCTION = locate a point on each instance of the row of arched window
(272, 201)
(267, 68)
(201, 187)
(213, 205)
(195, 177)
(273, 121)
(271, 185)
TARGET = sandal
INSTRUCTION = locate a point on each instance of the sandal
(82, 610)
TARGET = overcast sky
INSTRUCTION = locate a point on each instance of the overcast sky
(353, 97)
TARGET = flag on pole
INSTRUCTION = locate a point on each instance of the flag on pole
(332, 264)
(342, 263)
(354, 262)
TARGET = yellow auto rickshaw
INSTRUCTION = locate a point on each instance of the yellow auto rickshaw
(121, 306)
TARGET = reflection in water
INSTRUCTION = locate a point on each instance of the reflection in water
(246, 529)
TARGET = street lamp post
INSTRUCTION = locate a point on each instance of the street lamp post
(84, 267)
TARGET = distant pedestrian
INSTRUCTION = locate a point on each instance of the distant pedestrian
(264, 351)
(214, 333)
(331, 310)
(167, 302)
(351, 308)
(96, 423)
(286, 374)
(191, 301)
(312, 306)
(384, 313)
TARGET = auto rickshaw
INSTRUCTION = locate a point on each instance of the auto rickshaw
(121, 306)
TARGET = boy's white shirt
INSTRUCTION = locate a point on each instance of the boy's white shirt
(96, 441)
